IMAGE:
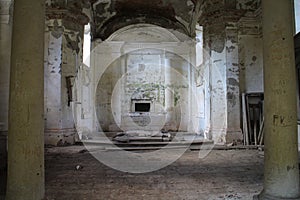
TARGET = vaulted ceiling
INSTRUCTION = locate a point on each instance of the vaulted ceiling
(107, 16)
(110, 15)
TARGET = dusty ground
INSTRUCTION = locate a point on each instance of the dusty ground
(231, 174)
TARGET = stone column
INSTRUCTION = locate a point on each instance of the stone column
(170, 123)
(26, 105)
(251, 52)
(206, 82)
(5, 43)
(232, 79)
(53, 59)
(281, 173)
(217, 84)
(183, 98)
(196, 101)
(221, 57)
(177, 93)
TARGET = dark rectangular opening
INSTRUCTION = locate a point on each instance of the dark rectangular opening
(142, 107)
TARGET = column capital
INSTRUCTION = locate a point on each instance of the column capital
(219, 13)
(251, 23)
(216, 11)
(73, 16)
(63, 21)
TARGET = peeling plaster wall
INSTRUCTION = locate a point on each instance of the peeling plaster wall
(108, 109)
(82, 108)
(229, 31)
(233, 84)
(64, 32)
(219, 80)
(251, 52)
(180, 93)
(198, 75)
(53, 56)
(251, 61)
(71, 60)
(111, 15)
(118, 57)
(139, 76)
(236, 64)
(218, 111)
(63, 56)
(221, 83)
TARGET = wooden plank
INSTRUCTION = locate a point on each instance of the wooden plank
(254, 125)
(261, 130)
(245, 125)
(248, 120)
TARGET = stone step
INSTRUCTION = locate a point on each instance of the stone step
(102, 143)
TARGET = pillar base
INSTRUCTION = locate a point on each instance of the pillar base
(225, 136)
(60, 137)
(234, 136)
(263, 196)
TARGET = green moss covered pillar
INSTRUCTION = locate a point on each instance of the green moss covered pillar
(281, 172)
(26, 104)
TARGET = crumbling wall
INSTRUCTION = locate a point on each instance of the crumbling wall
(140, 76)
(226, 40)
(251, 53)
(63, 56)
(113, 15)
(136, 70)
(251, 63)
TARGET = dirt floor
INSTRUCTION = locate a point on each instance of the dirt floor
(223, 174)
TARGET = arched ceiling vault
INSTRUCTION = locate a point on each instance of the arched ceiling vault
(108, 16)
(111, 15)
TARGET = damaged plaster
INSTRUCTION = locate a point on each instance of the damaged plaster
(175, 15)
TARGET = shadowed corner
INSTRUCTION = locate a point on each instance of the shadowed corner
(3, 165)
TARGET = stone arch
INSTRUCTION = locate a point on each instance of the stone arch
(118, 22)
(145, 33)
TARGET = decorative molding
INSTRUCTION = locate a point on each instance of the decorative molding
(74, 16)
(251, 23)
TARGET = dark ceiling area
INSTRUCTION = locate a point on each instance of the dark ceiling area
(108, 16)
(111, 15)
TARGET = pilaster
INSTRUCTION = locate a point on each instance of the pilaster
(64, 48)
(221, 58)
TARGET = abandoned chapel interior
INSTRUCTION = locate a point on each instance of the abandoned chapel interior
(140, 99)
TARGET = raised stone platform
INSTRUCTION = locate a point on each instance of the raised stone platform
(145, 140)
